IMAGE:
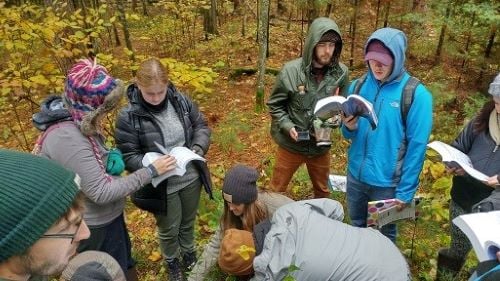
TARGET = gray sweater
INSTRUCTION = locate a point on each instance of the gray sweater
(105, 195)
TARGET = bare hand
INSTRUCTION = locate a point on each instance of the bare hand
(293, 134)
(455, 170)
(164, 164)
(492, 181)
(351, 122)
(400, 205)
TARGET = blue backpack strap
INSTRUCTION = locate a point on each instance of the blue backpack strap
(496, 268)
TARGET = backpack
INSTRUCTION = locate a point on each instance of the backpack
(37, 148)
(406, 99)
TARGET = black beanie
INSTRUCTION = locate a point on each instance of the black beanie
(330, 36)
(240, 185)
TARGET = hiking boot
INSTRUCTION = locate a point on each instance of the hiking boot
(188, 261)
(174, 270)
(447, 265)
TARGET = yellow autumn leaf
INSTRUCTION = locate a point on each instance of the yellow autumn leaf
(155, 256)
(244, 251)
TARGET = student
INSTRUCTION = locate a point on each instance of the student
(310, 235)
(42, 222)
(300, 84)
(89, 94)
(158, 112)
(386, 162)
(245, 206)
(480, 140)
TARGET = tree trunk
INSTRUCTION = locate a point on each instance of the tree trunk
(244, 22)
(466, 51)
(487, 51)
(144, 7)
(281, 9)
(210, 19)
(377, 14)
(442, 34)
(263, 44)
(387, 10)
(353, 34)
(126, 33)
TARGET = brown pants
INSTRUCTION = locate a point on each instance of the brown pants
(288, 162)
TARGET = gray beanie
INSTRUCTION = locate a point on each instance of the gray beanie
(240, 185)
(93, 266)
(494, 89)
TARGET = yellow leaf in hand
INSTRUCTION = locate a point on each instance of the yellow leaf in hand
(155, 256)
(244, 251)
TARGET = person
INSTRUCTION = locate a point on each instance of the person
(245, 205)
(89, 93)
(307, 240)
(42, 222)
(300, 84)
(385, 162)
(93, 266)
(159, 113)
(480, 140)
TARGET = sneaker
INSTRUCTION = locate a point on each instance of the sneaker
(174, 270)
(188, 261)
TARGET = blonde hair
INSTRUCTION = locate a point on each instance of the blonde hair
(151, 71)
(253, 213)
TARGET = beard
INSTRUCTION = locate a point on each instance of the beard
(322, 61)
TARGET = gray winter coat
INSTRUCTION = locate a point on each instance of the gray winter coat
(310, 235)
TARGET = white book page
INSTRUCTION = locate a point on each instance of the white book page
(483, 231)
(337, 183)
(450, 154)
(331, 99)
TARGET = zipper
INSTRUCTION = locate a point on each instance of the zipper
(366, 135)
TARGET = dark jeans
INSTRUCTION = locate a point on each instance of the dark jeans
(113, 239)
(358, 196)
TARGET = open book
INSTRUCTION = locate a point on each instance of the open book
(483, 231)
(382, 212)
(452, 157)
(354, 105)
(182, 155)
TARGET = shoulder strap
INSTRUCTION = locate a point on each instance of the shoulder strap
(359, 83)
(407, 97)
(39, 141)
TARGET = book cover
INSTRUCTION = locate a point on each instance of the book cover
(483, 231)
(451, 157)
(182, 155)
(354, 105)
(382, 212)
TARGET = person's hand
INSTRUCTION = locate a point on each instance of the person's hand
(492, 181)
(400, 205)
(164, 164)
(198, 150)
(351, 122)
(455, 170)
(498, 255)
(293, 134)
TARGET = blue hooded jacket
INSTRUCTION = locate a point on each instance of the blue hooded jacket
(392, 155)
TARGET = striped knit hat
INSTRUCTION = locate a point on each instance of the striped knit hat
(90, 92)
(34, 193)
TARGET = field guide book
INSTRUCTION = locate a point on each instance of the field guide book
(483, 231)
(354, 105)
(452, 157)
(182, 155)
(382, 212)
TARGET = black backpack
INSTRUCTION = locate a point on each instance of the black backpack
(488, 204)
(406, 99)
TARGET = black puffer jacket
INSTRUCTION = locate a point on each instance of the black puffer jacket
(137, 131)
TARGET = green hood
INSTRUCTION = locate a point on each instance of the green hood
(319, 27)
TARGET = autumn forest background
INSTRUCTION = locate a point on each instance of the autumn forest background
(225, 55)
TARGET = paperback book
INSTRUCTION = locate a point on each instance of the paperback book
(182, 155)
(354, 105)
(382, 212)
(453, 157)
(483, 231)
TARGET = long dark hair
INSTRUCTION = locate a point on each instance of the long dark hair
(482, 120)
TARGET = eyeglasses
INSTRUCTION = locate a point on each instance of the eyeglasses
(64, 235)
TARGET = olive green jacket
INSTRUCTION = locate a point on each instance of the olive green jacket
(289, 106)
